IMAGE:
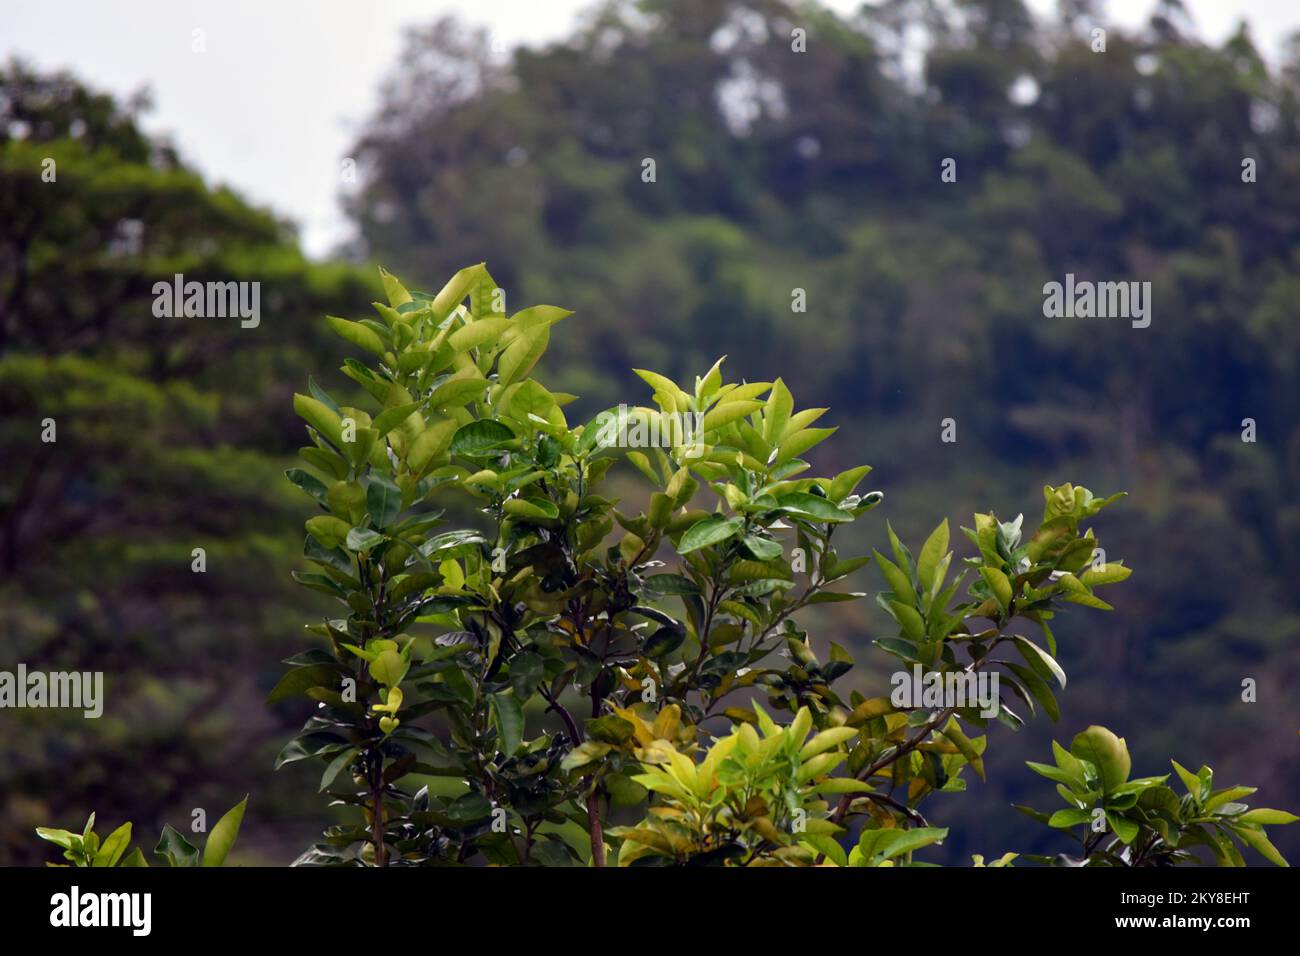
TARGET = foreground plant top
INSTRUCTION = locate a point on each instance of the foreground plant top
(88, 849)
(570, 682)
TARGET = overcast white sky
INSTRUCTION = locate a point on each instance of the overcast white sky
(274, 103)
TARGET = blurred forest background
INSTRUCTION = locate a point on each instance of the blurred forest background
(776, 170)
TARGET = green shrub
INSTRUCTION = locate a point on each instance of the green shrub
(569, 671)
(88, 850)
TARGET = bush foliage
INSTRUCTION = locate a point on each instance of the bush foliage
(547, 673)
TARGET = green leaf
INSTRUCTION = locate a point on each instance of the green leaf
(63, 838)
(763, 549)
(779, 406)
(888, 844)
(1217, 800)
(1191, 781)
(898, 582)
(308, 482)
(671, 584)
(1106, 752)
(396, 292)
(528, 398)
(508, 714)
(390, 418)
(588, 752)
(837, 569)
(383, 500)
(610, 729)
(592, 431)
(470, 808)
(825, 740)
(802, 505)
(319, 582)
(175, 849)
(1109, 573)
(430, 443)
(363, 540)
(536, 509)
(522, 354)
(931, 552)
(1064, 819)
(223, 835)
(459, 390)
(298, 681)
(347, 500)
(336, 766)
(1071, 765)
(964, 744)
(320, 394)
(454, 292)
(479, 333)
(912, 623)
(362, 336)
(846, 482)
(325, 420)
(726, 412)
(1039, 688)
(999, 584)
(709, 531)
(328, 530)
(538, 316)
(389, 667)
(665, 386)
(1267, 817)
(1057, 774)
(479, 437)
(795, 444)
(1257, 841)
(904, 650)
(1041, 661)
(664, 641)
(1124, 828)
(828, 846)
(114, 845)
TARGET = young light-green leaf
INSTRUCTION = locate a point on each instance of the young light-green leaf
(362, 336)
(931, 553)
(114, 845)
(223, 835)
(1105, 751)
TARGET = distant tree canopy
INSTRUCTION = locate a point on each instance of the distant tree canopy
(168, 437)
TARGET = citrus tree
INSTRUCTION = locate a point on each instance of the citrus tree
(550, 683)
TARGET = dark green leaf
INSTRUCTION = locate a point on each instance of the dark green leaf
(175, 849)
(479, 437)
